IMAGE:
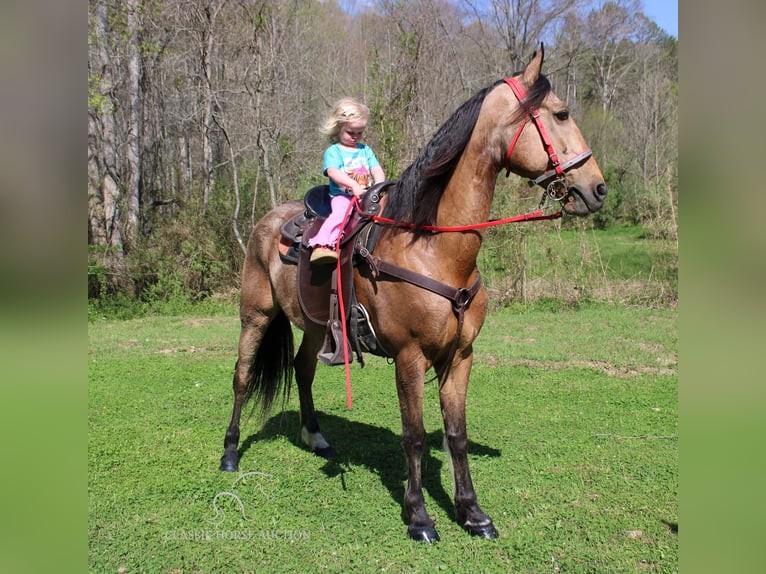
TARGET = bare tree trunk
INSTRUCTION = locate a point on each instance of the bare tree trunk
(220, 122)
(207, 158)
(109, 190)
(96, 227)
(611, 62)
(179, 166)
(133, 187)
(269, 176)
(237, 201)
(210, 16)
(674, 216)
(255, 194)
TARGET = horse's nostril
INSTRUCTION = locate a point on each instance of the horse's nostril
(601, 191)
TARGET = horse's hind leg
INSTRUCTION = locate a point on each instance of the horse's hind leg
(251, 335)
(452, 395)
(305, 368)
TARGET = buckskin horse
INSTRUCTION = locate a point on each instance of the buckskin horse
(517, 124)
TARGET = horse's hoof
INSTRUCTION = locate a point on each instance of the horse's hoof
(326, 452)
(426, 534)
(486, 531)
(229, 466)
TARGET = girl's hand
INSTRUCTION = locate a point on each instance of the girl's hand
(358, 190)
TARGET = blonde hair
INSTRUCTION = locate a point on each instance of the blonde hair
(346, 111)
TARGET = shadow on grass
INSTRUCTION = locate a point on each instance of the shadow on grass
(373, 447)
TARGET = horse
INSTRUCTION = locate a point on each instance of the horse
(450, 184)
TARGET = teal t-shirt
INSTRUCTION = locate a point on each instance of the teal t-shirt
(356, 163)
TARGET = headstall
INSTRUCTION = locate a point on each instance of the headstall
(556, 188)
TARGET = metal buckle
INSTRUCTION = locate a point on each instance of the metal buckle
(462, 299)
(557, 189)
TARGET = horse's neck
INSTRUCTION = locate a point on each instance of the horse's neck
(468, 195)
(466, 201)
(467, 198)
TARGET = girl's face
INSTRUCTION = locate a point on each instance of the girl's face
(351, 133)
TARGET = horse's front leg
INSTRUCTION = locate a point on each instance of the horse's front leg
(409, 386)
(452, 395)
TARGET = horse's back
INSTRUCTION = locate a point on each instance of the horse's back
(267, 282)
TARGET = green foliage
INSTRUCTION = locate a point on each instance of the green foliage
(117, 306)
(611, 212)
(96, 100)
(541, 264)
(576, 262)
(174, 269)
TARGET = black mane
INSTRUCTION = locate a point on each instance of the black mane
(415, 197)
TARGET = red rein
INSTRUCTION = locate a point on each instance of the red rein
(532, 216)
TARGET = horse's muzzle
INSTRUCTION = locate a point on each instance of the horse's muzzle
(579, 202)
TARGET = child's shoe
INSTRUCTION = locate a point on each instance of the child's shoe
(322, 255)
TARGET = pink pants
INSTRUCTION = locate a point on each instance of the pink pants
(330, 230)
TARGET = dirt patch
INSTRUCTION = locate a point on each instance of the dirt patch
(198, 322)
(608, 368)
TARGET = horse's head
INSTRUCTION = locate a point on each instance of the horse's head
(544, 143)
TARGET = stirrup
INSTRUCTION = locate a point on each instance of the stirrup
(332, 351)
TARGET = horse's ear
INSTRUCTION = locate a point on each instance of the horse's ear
(532, 71)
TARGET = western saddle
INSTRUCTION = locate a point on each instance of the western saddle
(318, 284)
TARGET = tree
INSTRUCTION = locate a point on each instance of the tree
(610, 32)
(650, 114)
(103, 188)
(135, 124)
(522, 24)
(204, 18)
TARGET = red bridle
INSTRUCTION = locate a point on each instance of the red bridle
(556, 189)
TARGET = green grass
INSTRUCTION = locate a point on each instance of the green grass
(572, 419)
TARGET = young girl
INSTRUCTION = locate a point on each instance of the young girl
(351, 167)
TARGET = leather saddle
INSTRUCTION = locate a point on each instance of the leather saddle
(318, 284)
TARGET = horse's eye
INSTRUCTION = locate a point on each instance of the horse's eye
(562, 115)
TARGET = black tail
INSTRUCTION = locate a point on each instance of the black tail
(273, 365)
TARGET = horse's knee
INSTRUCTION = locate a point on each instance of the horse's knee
(413, 442)
(456, 442)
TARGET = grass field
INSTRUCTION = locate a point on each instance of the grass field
(572, 420)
